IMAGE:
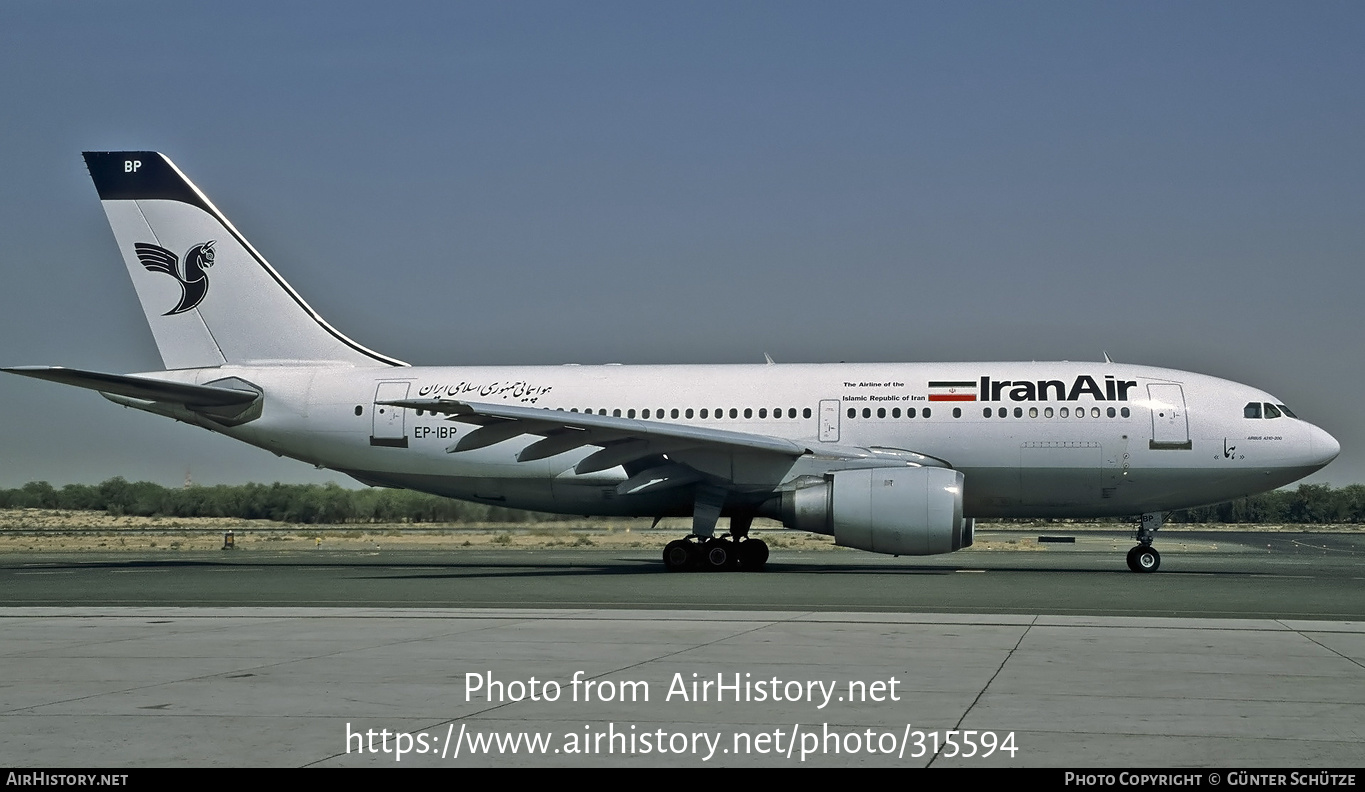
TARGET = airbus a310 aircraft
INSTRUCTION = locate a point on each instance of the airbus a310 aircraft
(896, 458)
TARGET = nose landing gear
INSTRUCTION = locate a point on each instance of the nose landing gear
(1144, 558)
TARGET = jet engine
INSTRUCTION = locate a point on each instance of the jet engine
(898, 511)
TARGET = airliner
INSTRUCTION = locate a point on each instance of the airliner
(893, 458)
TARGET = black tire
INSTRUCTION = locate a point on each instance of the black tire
(1146, 560)
(1132, 559)
(679, 555)
(753, 555)
(718, 554)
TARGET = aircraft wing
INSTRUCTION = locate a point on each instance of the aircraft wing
(736, 457)
(144, 388)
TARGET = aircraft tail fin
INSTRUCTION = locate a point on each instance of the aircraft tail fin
(211, 299)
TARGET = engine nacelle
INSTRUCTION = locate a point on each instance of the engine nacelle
(898, 511)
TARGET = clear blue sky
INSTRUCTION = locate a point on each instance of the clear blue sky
(1178, 184)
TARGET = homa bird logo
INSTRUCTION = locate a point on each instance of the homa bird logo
(193, 280)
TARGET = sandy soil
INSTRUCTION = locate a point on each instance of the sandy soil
(23, 530)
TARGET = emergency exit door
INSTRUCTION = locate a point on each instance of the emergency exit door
(389, 428)
(1170, 425)
(829, 421)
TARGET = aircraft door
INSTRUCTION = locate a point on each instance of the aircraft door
(1170, 426)
(829, 421)
(389, 422)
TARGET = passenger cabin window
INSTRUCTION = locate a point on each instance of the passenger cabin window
(1252, 410)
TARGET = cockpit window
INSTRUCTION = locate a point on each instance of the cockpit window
(1271, 412)
(1286, 411)
(1252, 410)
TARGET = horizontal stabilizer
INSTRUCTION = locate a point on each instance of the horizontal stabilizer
(141, 387)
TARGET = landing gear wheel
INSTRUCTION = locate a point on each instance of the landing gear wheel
(753, 555)
(1144, 559)
(679, 555)
(718, 554)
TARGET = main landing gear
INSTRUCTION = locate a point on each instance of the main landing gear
(719, 553)
(1144, 557)
(704, 550)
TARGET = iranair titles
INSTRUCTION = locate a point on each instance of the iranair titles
(1112, 389)
(986, 389)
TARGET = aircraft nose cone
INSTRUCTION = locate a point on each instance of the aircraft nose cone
(1325, 447)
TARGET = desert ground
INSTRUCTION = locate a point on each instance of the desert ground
(43, 530)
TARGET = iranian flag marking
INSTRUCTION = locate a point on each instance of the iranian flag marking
(952, 391)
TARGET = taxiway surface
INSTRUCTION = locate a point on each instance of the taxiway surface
(284, 658)
(1238, 575)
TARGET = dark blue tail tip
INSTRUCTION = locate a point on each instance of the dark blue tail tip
(137, 176)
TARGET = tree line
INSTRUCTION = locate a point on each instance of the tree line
(331, 504)
(290, 503)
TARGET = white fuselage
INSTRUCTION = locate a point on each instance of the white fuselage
(1032, 439)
